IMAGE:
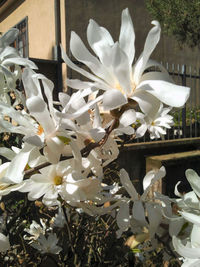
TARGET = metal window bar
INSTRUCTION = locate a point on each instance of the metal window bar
(21, 42)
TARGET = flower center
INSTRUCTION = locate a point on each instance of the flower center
(118, 87)
(58, 180)
(40, 130)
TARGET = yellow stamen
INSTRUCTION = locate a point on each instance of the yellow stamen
(58, 180)
(40, 130)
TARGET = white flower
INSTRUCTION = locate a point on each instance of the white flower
(141, 204)
(115, 74)
(47, 245)
(4, 243)
(59, 219)
(35, 230)
(66, 179)
(156, 124)
(10, 57)
(40, 127)
(12, 173)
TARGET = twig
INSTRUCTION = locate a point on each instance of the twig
(84, 152)
(70, 238)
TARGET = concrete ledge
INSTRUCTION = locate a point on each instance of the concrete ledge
(155, 162)
(162, 144)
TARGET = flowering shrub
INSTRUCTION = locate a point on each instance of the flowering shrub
(66, 145)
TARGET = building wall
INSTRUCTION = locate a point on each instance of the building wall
(41, 26)
(107, 13)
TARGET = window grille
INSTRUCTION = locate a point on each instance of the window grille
(21, 42)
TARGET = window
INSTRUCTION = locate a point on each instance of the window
(21, 42)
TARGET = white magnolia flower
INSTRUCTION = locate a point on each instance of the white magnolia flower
(59, 219)
(35, 230)
(115, 73)
(40, 126)
(66, 178)
(189, 204)
(4, 243)
(47, 245)
(12, 172)
(10, 57)
(156, 124)
(141, 204)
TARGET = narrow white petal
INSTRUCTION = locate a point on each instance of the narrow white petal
(150, 44)
(81, 53)
(100, 41)
(126, 182)
(127, 36)
(194, 180)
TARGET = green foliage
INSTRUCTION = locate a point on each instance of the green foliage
(180, 18)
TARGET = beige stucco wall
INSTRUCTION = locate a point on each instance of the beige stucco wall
(108, 12)
(41, 26)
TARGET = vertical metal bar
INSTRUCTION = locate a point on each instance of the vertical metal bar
(189, 107)
(57, 43)
(184, 108)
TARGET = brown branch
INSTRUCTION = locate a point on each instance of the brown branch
(84, 152)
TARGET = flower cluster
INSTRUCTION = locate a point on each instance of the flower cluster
(66, 144)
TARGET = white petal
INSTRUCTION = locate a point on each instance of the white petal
(81, 53)
(38, 109)
(195, 236)
(194, 180)
(15, 171)
(147, 103)
(123, 216)
(100, 41)
(121, 68)
(127, 36)
(193, 218)
(126, 182)
(191, 263)
(168, 93)
(150, 178)
(4, 243)
(187, 252)
(19, 61)
(128, 117)
(8, 37)
(154, 217)
(113, 99)
(138, 213)
(150, 44)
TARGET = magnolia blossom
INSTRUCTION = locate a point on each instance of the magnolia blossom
(9, 57)
(115, 74)
(35, 230)
(40, 125)
(141, 204)
(66, 179)
(47, 245)
(156, 124)
(12, 172)
(188, 245)
(4, 243)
